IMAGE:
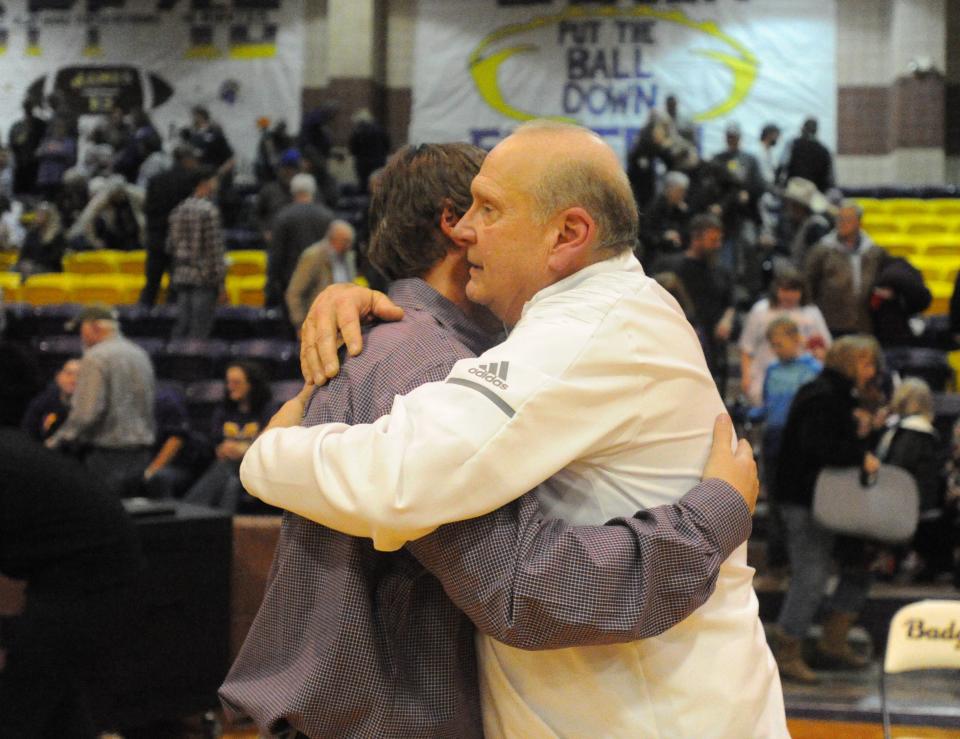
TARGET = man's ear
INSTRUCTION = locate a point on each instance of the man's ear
(448, 220)
(576, 234)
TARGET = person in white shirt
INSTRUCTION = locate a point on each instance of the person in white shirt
(600, 396)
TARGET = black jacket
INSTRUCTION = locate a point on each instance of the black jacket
(820, 432)
(919, 453)
(910, 296)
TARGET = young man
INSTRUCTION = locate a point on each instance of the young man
(195, 243)
(354, 641)
(601, 390)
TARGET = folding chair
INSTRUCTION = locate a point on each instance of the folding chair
(923, 636)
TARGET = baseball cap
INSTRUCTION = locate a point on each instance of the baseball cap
(94, 312)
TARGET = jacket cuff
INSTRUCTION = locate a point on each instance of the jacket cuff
(723, 511)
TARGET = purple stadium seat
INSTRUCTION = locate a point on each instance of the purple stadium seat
(187, 360)
(281, 359)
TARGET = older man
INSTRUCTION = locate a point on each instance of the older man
(601, 394)
(111, 414)
(373, 645)
(329, 260)
(841, 272)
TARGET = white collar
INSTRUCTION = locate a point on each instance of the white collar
(625, 262)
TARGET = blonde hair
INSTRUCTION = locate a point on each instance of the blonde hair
(913, 398)
(843, 354)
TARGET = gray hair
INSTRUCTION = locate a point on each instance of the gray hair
(676, 179)
(913, 397)
(303, 183)
(344, 225)
(571, 181)
(850, 204)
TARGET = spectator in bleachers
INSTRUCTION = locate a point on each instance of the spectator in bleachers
(786, 298)
(26, 134)
(744, 186)
(802, 224)
(111, 416)
(6, 174)
(12, 231)
(806, 157)
(140, 143)
(44, 244)
(825, 427)
(841, 272)
(951, 508)
(56, 154)
(113, 219)
(243, 415)
(297, 226)
(47, 411)
(663, 226)
(165, 191)
(197, 268)
(273, 142)
(275, 194)
(792, 368)
(330, 260)
(899, 294)
(170, 472)
(212, 146)
(710, 287)
(767, 159)
(315, 143)
(911, 442)
(369, 145)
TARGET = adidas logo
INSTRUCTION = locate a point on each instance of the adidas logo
(495, 373)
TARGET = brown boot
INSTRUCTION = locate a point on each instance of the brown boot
(833, 647)
(786, 651)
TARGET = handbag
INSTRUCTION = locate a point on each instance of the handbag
(884, 507)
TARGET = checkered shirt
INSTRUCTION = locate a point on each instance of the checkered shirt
(351, 642)
(195, 243)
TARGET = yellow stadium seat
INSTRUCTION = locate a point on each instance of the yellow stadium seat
(8, 258)
(99, 262)
(246, 290)
(945, 206)
(941, 292)
(873, 206)
(948, 248)
(882, 224)
(48, 289)
(10, 284)
(247, 262)
(907, 207)
(99, 288)
(919, 226)
(132, 262)
(901, 250)
(933, 269)
(899, 245)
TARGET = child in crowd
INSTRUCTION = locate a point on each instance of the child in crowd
(792, 368)
(912, 443)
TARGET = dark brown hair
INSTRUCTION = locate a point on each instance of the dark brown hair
(408, 200)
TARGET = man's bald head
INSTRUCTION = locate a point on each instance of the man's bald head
(575, 167)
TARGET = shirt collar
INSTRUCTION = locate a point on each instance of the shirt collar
(414, 295)
(625, 262)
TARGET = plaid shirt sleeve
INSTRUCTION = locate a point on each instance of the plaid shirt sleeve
(535, 583)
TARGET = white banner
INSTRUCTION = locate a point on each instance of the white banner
(241, 59)
(480, 69)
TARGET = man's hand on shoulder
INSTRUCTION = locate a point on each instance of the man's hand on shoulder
(335, 318)
(739, 468)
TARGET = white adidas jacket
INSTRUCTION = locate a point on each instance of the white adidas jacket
(600, 396)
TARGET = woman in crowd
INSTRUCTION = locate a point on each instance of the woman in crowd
(826, 427)
(243, 415)
(44, 244)
(786, 298)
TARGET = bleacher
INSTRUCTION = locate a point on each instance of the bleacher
(926, 232)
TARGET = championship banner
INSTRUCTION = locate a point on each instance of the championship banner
(483, 67)
(241, 59)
